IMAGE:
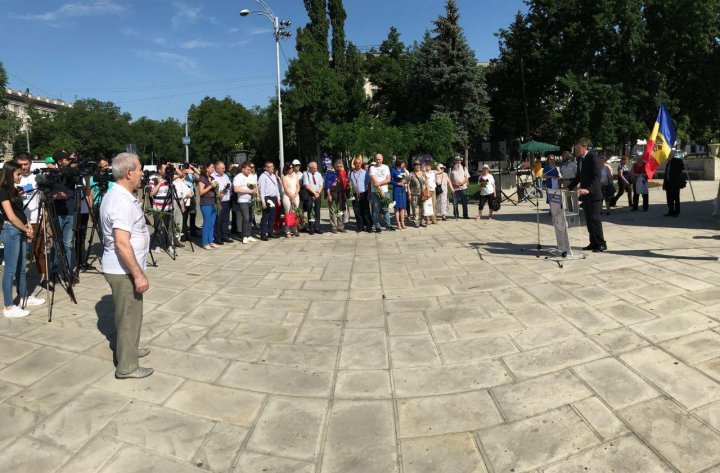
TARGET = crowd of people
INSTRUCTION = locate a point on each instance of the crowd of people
(248, 205)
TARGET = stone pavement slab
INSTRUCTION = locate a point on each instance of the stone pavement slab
(439, 350)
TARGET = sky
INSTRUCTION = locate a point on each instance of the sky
(155, 58)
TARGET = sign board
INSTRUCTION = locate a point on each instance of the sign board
(185, 140)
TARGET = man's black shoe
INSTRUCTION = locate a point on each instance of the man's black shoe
(668, 214)
(219, 242)
(369, 230)
(263, 237)
(600, 249)
(589, 247)
(227, 240)
(390, 229)
(676, 214)
(319, 232)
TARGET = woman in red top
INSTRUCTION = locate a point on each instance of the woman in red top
(640, 184)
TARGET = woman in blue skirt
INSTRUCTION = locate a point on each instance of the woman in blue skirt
(398, 178)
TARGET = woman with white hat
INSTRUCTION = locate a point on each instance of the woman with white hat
(443, 185)
(488, 191)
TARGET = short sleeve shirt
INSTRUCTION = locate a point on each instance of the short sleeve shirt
(15, 203)
(242, 181)
(487, 184)
(380, 173)
(121, 210)
(31, 197)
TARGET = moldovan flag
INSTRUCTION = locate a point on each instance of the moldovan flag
(660, 143)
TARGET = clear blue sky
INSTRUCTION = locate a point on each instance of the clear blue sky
(157, 57)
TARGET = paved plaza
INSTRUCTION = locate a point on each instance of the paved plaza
(439, 350)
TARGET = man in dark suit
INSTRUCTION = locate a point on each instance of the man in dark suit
(587, 183)
(673, 181)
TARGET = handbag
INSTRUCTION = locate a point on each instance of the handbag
(425, 193)
(494, 204)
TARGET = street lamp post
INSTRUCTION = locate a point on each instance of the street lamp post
(280, 28)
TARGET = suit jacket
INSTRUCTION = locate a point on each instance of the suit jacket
(588, 176)
(673, 172)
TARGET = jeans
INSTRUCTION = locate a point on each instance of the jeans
(361, 209)
(267, 221)
(377, 210)
(66, 228)
(222, 222)
(242, 214)
(209, 213)
(15, 250)
(460, 197)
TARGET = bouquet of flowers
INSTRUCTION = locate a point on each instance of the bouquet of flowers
(351, 192)
(299, 216)
(219, 194)
(384, 200)
(335, 209)
(256, 207)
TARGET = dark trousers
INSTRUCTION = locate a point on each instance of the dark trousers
(312, 207)
(242, 216)
(165, 234)
(673, 200)
(636, 200)
(80, 240)
(361, 209)
(267, 221)
(622, 188)
(222, 224)
(592, 208)
(188, 219)
(460, 197)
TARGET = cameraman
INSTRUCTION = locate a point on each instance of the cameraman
(162, 202)
(191, 175)
(100, 182)
(31, 201)
(63, 196)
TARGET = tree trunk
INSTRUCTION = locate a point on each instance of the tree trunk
(467, 159)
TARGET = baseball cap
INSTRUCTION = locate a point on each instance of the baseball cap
(49, 160)
(58, 155)
(485, 166)
(296, 162)
(441, 166)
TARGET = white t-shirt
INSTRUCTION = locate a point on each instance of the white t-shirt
(380, 173)
(183, 191)
(430, 179)
(30, 199)
(487, 184)
(223, 181)
(459, 175)
(120, 209)
(242, 181)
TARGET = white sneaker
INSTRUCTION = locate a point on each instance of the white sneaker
(251, 240)
(32, 300)
(157, 249)
(15, 312)
(245, 240)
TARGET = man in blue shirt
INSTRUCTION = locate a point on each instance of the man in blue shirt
(360, 181)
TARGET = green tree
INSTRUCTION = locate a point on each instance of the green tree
(9, 125)
(158, 140)
(450, 80)
(388, 69)
(218, 127)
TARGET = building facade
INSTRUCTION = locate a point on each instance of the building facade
(18, 104)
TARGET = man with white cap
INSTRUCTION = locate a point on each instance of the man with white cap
(459, 177)
(296, 170)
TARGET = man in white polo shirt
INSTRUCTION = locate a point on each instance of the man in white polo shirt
(126, 240)
(380, 178)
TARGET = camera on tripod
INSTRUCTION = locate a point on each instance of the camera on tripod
(170, 170)
(47, 178)
(102, 179)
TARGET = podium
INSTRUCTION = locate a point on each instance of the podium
(566, 219)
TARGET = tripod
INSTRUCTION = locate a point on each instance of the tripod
(49, 227)
(165, 218)
(95, 230)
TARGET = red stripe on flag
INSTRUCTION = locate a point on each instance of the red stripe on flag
(650, 166)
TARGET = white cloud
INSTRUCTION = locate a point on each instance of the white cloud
(185, 14)
(256, 30)
(159, 40)
(76, 9)
(197, 44)
(179, 61)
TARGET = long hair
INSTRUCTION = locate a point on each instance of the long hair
(287, 169)
(7, 179)
(204, 170)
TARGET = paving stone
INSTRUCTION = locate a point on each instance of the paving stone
(221, 347)
(669, 305)
(187, 365)
(490, 346)
(36, 365)
(480, 328)
(160, 430)
(619, 340)
(8, 389)
(413, 351)
(363, 384)
(456, 453)
(694, 348)
(320, 333)
(80, 419)
(326, 310)
(227, 405)
(28, 455)
(710, 368)
(601, 418)
(533, 396)
(625, 313)
(407, 325)
(532, 442)
(624, 455)
(615, 382)
(552, 358)
(533, 315)
(680, 438)
(62, 385)
(15, 422)
(318, 357)
(133, 459)
(220, 448)
(681, 382)
(364, 349)
(263, 333)
(11, 350)
(433, 380)
(446, 414)
(546, 334)
(250, 462)
(360, 438)
(549, 294)
(277, 379)
(94, 455)
(180, 336)
(587, 318)
(673, 326)
(707, 296)
(290, 425)
(67, 338)
(411, 305)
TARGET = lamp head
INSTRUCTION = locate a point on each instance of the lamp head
(245, 12)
